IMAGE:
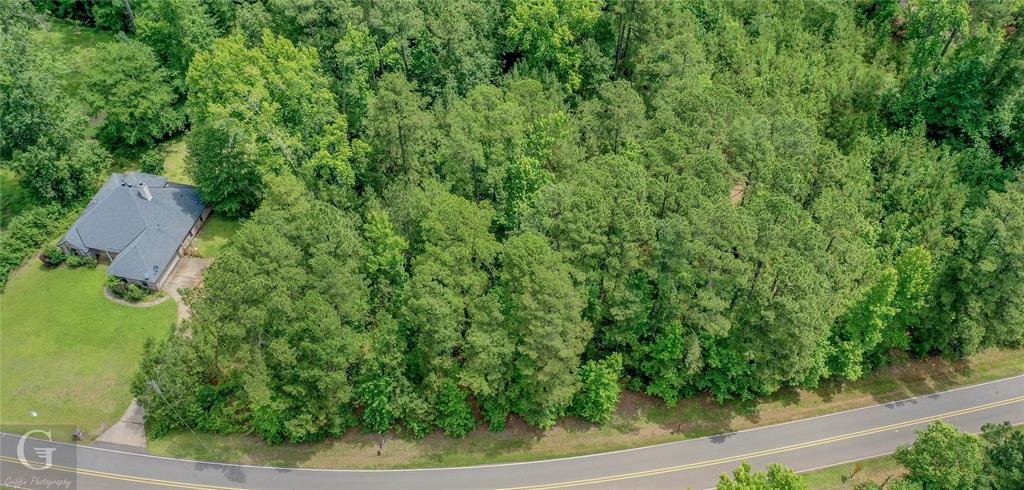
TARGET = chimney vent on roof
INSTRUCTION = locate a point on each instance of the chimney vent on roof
(144, 192)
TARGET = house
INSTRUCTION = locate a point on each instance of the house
(141, 223)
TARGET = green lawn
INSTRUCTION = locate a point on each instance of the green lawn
(66, 352)
(832, 478)
(215, 234)
(13, 197)
(174, 163)
(639, 421)
(174, 160)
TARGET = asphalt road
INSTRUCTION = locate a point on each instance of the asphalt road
(802, 445)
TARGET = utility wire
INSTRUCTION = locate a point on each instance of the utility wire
(158, 391)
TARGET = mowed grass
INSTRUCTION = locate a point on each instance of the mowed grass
(639, 421)
(870, 470)
(174, 162)
(66, 352)
(216, 233)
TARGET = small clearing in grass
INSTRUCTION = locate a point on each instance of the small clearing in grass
(870, 470)
(174, 160)
(216, 233)
(639, 421)
(174, 163)
(68, 353)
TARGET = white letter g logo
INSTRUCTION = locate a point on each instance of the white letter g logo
(43, 453)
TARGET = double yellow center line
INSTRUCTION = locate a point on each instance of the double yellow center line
(605, 479)
(127, 478)
(768, 452)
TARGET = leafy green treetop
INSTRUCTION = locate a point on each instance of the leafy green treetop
(776, 477)
(942, 458)
(135, 96)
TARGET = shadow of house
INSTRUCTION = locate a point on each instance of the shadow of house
(141, 223)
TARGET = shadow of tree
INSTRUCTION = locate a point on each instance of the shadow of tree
(828, 389)
(904, 381)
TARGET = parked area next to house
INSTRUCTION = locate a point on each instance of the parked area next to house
(186, 275)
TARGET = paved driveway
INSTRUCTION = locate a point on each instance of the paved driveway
(188, 273)
(129, 431)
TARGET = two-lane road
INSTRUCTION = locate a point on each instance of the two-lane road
(801, 445)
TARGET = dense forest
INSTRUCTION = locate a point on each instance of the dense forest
(457, 211)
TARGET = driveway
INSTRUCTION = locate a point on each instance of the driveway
(129, 432)
(188, 273)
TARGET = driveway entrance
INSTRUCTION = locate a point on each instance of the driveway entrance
(187, 273)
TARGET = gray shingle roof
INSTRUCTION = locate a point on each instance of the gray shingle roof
(145, 234)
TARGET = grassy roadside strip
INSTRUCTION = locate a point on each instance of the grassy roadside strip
(869, 470)
(639, 421)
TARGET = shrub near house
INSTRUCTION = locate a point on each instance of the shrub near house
(25, 233)
(53, 256)
(125, 290)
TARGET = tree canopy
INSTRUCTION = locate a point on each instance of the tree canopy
(942, 457)
(463, 211)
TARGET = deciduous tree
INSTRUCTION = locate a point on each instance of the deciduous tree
(260, 110)
(777, 477)
(176, 30)
(133, 96)
(943, 458)
(598, 396)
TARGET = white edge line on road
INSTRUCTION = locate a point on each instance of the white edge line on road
(865, 458)
(540, 461)
(808, 470)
